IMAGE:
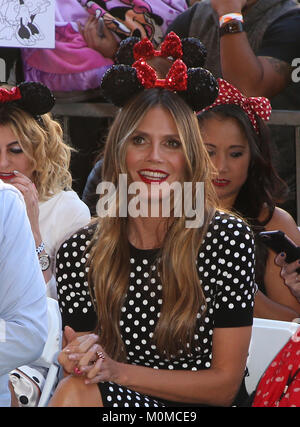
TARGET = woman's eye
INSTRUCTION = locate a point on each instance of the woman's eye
(210, 153)
(138, 140)
(236, 154)
(16, 150)
(174, 143)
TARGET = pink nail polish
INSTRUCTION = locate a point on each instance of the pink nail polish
(77, 371)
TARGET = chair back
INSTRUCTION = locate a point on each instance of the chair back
(268, 338)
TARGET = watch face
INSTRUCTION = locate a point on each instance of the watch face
(233, 27)
(44, 262)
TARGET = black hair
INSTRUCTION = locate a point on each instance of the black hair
(263, 186)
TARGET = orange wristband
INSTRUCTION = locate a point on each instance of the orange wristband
(229, 17)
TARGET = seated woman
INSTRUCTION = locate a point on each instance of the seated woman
(172, 310)
(34, 158)
(238, 142)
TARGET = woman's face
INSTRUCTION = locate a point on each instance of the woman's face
(229, 151)
(154, 152)
(12, 156)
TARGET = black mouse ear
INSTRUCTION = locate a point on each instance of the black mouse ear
(37, 99)
(124, 53)
(194, 52)
(202, 88)
(120, 83)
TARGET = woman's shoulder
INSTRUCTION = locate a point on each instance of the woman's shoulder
(226, 232)
(282, 220)
(80, 239)
(62, 197)
(68, 198)
(228, 222)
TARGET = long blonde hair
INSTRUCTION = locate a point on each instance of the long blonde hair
(109, 250)
(42, 142)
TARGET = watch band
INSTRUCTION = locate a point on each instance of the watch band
(40, 248)
(231, 27)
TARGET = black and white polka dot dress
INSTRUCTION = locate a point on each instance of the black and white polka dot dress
(226, 271)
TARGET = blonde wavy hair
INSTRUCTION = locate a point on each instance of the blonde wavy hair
(42, 142)
(108, 261)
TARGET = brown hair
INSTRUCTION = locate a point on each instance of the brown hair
(109, 251)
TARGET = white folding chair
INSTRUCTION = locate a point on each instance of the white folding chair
(268, 338)
(52, 347)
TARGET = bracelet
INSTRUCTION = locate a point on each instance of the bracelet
(229, 17)
(40, 248)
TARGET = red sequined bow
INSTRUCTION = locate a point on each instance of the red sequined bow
(171, 47)
(253, 106)
(9, 95)
(176, 79)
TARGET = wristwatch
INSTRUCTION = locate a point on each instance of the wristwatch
(231, 27)
(44, 261)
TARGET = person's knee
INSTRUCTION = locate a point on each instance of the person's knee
(72, 391)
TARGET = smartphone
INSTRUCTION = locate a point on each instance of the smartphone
(279, 242)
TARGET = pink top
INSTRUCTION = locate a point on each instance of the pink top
(71, 54)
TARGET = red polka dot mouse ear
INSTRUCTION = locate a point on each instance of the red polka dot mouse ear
(253, 106)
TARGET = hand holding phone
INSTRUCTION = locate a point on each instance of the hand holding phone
(279, 242)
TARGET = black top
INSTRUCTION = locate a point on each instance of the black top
(225, 264)
(226, 270)
(281, 39)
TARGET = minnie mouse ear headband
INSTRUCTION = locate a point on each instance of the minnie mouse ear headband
(254, 106)
(33, 97)
(186, 77)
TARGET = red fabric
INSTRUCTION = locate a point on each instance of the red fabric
(9, 95)
(271, 390)
(253, 106)
(176, 79)
(170, 47)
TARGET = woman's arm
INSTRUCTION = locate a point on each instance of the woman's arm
(266, 308)
(31, 197)
(216, 386)
(274, 283)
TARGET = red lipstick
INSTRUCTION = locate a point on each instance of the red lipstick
(7, 176)
(221, 182)
(150, 176)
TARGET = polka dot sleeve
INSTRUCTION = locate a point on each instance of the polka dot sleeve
(235, 279)
(74, 299)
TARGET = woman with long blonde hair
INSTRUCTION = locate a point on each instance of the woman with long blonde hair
(35, 159)
(163, 311)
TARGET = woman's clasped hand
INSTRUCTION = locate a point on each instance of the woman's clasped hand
(83, 356)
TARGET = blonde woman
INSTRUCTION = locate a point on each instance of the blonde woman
(171, 313)
(34, 158)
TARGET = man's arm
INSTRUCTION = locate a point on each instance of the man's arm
(253, 75)
(23, 307)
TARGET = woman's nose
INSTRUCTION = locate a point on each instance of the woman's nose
(154, 153)
(221, 163)
(4, 162)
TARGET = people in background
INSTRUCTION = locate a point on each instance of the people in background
(238, 142)
(34, 159)
(252, 44)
